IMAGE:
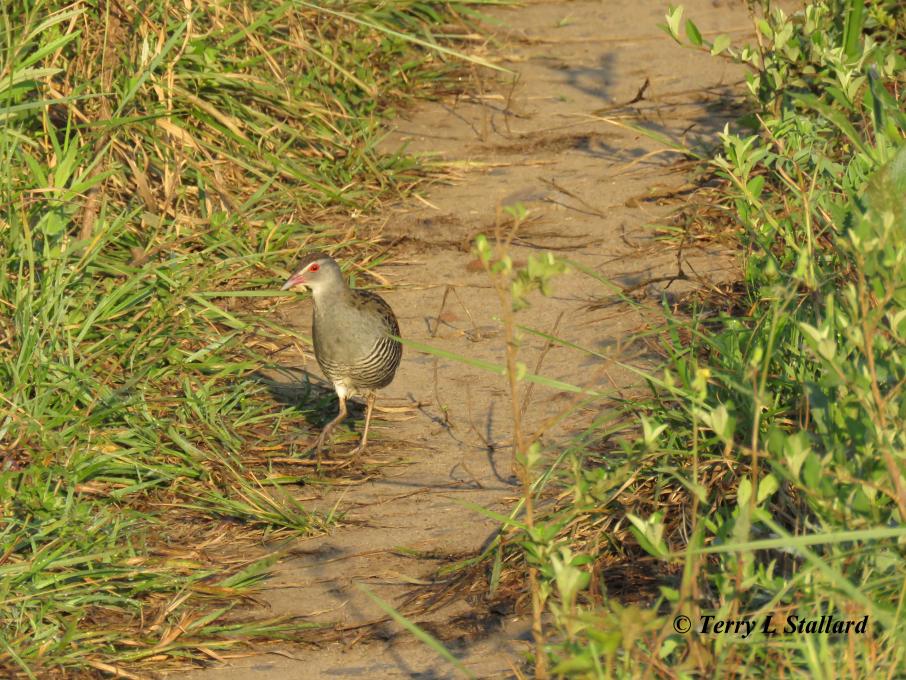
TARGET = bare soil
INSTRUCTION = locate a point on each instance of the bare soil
(593, 190)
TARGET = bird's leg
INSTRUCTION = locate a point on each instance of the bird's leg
(364, 442)
(325, 433)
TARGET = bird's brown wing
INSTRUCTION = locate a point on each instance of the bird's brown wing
(366, 301)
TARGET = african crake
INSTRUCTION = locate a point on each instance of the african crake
(351, 330)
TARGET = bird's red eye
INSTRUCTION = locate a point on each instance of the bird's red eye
(314, 267)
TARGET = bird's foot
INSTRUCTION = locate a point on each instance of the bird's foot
(357, 452)
(298, 445)
(305, 448)
(320, 447)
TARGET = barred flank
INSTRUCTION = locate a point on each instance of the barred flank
(372, 372)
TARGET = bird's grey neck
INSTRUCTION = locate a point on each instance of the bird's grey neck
(330, 293)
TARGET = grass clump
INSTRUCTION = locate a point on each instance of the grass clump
(161, 163)
(765, 481)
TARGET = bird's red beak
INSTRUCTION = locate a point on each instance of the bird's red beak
(293, 281)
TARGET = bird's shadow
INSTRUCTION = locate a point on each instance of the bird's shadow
(313, 397)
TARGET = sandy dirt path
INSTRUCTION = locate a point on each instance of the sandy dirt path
(539, 142)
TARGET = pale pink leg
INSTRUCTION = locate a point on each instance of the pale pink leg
(364, 442)
(325, 433)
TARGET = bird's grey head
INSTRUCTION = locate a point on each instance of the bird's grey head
(317, 272)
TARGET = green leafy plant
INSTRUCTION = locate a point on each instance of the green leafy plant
(513, 285)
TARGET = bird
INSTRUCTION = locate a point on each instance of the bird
(355, 334)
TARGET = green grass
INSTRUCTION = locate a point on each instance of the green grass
(162, 170)
(763, 473)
